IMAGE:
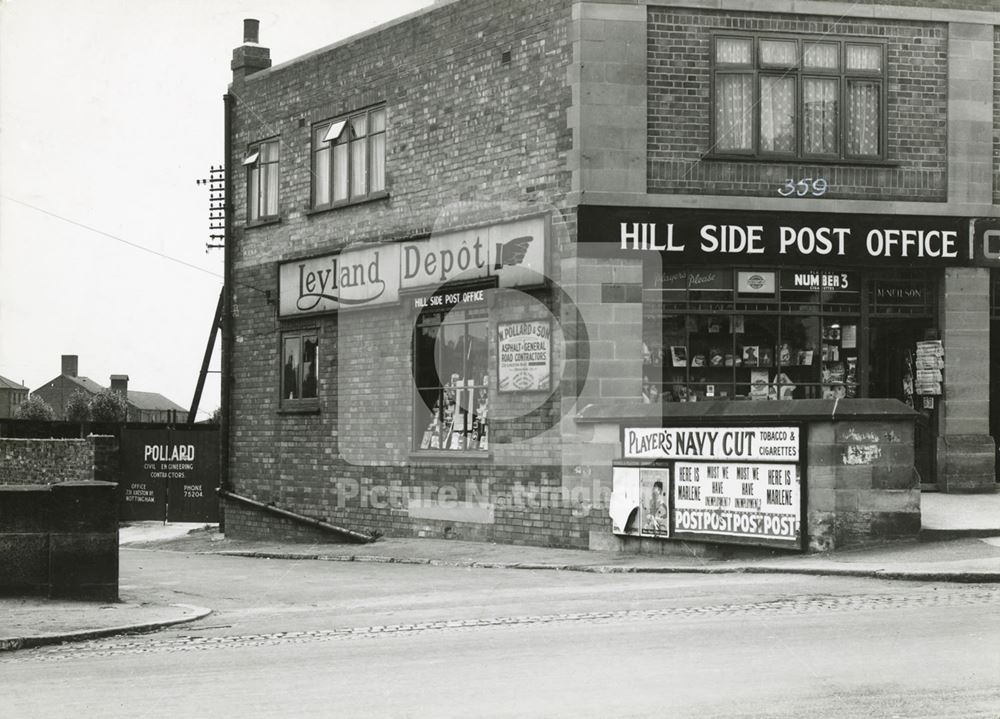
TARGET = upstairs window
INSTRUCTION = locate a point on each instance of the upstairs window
(262, 181)
(300, 365)
(798, 98)
(349, 158)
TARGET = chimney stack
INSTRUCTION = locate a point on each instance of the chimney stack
(119, 384)
(70, 365)
(250, 57)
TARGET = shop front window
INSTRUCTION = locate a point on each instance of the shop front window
(451, 372)
(757, 335)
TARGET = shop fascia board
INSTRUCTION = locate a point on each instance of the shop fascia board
(753, 204)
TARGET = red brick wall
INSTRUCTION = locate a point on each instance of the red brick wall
(462, 126)
(679, 102)
(46, 461)
(471, 140)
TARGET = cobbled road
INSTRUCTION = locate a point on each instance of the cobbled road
(289, 639)
(946, 597)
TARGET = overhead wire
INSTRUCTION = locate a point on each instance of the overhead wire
(135, 245)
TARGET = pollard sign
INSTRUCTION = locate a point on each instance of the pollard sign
(373, 275)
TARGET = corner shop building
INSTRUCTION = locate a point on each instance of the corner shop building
(540, 242)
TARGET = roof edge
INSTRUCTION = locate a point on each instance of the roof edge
(436, 5)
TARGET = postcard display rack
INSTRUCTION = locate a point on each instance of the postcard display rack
(929, 372)
(461, 423)
(839, 360)
(729, 357)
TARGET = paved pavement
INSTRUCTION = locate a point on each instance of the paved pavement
(961, 533)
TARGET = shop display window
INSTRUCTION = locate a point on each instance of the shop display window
(452, 377)
(747, 334)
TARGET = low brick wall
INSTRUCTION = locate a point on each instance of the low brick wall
(60, 540)
(254, 524)
(860, 483)
(51, 461)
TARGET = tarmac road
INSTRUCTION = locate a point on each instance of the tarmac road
(298, 638)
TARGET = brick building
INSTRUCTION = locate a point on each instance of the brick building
(454, 236)
(12, 394)
(142, 406)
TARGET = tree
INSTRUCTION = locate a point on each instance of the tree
(108, 406)
(78, 407)
(35, 408)
(216, 416)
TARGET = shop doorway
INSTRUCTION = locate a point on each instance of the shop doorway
(995, 383)
(891, 346)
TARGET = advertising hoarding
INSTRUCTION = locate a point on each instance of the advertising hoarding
(725, 484)
(737, 499)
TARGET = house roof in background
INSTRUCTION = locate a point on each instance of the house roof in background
(10, 384)
(152, 401)
(147, 401)
(86, 383)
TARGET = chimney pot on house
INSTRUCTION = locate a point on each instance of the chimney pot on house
(251, 30)
(119, 384)
(250, 57)
(70, 365)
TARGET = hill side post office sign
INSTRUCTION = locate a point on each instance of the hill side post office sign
(698, 236)
(727, 484)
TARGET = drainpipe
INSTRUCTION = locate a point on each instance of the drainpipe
(227, 306)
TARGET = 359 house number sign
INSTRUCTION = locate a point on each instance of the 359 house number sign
(815, 186)
(524, 356)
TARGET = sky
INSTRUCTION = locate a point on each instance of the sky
(110, 110)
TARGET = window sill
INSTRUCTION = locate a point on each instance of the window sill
(826, 161)
(467, 455)
(249, 225)
(374, 197)
(305, 406)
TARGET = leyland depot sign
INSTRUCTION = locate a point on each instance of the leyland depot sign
(375, 274)
(697, 236)
(738, 484)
